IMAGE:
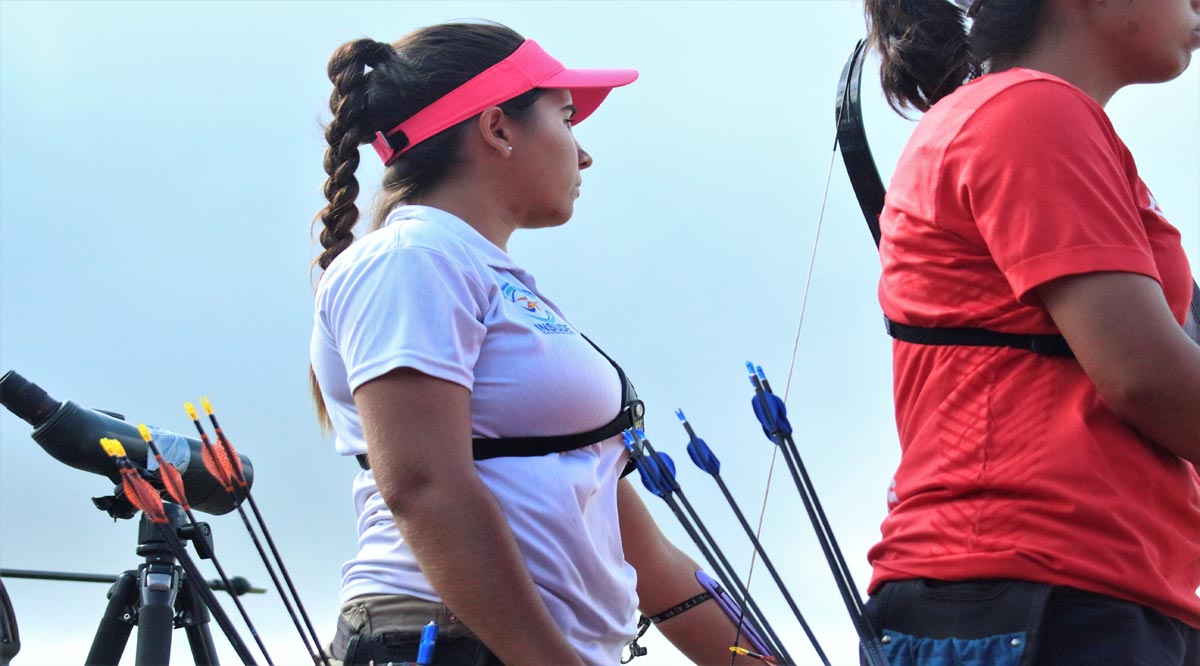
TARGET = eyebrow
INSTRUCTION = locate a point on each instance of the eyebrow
(569, 107)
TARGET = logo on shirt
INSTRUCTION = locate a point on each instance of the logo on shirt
(892, 498)
(1154, 205)
(531, 305)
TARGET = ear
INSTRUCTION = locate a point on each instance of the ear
(495, 129)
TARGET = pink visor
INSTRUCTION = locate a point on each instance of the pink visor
(527, 68)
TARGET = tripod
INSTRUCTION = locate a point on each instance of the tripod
(156, 597)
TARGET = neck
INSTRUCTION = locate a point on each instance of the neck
(1067, 47)
(471, 203)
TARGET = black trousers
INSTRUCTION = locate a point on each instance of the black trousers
(1019, 623)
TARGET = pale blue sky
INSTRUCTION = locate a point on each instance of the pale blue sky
(159, 167)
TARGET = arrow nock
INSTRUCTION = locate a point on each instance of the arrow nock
(112, 447)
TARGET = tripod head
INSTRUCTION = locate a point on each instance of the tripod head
(70, 433)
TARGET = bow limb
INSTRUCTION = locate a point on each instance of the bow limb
(852, 141)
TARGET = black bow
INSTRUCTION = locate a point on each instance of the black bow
(852, 141)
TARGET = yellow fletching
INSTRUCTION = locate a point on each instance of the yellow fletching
(145, 432)
(206, 405)
(191, 410)
(112, 447)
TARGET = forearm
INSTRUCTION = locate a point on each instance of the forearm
(704, 633)
(1143, 364)
(667, 577)
(1167, 411)
(472, 560)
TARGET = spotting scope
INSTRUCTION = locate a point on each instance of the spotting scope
(71, 433)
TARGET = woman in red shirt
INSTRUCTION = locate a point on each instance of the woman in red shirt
(1046, 509)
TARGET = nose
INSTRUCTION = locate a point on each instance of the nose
(585, 160)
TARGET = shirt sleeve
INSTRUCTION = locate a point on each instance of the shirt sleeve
(407, 307)
(1049, 185)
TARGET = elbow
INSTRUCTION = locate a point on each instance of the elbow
(1140, 387)
(1144, 404)
(1161, 411)
(417, 492)
(406, 491)
(1133, 397)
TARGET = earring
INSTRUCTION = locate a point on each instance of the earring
(510, 149)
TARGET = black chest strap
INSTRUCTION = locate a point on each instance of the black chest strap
(1043, 344)
(630, 415)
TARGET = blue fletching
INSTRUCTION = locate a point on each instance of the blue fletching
(627, 437)
(667, 469)
(667, 472)
(703, 456)
(658, 479)
(778, 413)
(646, 471)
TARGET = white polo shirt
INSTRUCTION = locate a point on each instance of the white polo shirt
(428, 292)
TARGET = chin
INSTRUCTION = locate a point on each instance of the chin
(550, 218)
(1167, 69)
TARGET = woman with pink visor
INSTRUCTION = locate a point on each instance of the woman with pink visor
(1046, 508)
(491, 501)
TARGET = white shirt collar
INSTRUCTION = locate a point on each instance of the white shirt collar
(492, 255)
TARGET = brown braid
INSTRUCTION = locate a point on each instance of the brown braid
(345, 133)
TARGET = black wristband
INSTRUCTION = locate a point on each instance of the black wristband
(682, 607)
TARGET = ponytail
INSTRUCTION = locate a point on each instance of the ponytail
(927, 51)
(924, 50)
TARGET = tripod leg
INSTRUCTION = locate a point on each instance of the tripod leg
(10, 635)
(116, 623)
(194, 617)
(204, 651)
(159, 586)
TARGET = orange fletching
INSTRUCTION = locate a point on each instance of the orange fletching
(235, 461)
(142, 495)
(173, 482)
(218, 466)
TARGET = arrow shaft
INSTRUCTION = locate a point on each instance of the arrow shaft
(872, 650)
(765, 629)
(771, 568)
(723, 576)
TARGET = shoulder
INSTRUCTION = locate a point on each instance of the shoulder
(403, 242)
(1022, 124)
(405, 255)
(1011, 107)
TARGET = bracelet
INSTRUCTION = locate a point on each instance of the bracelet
(682, 607)
(636, 650)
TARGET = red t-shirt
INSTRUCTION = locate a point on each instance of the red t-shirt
(1012, 464)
